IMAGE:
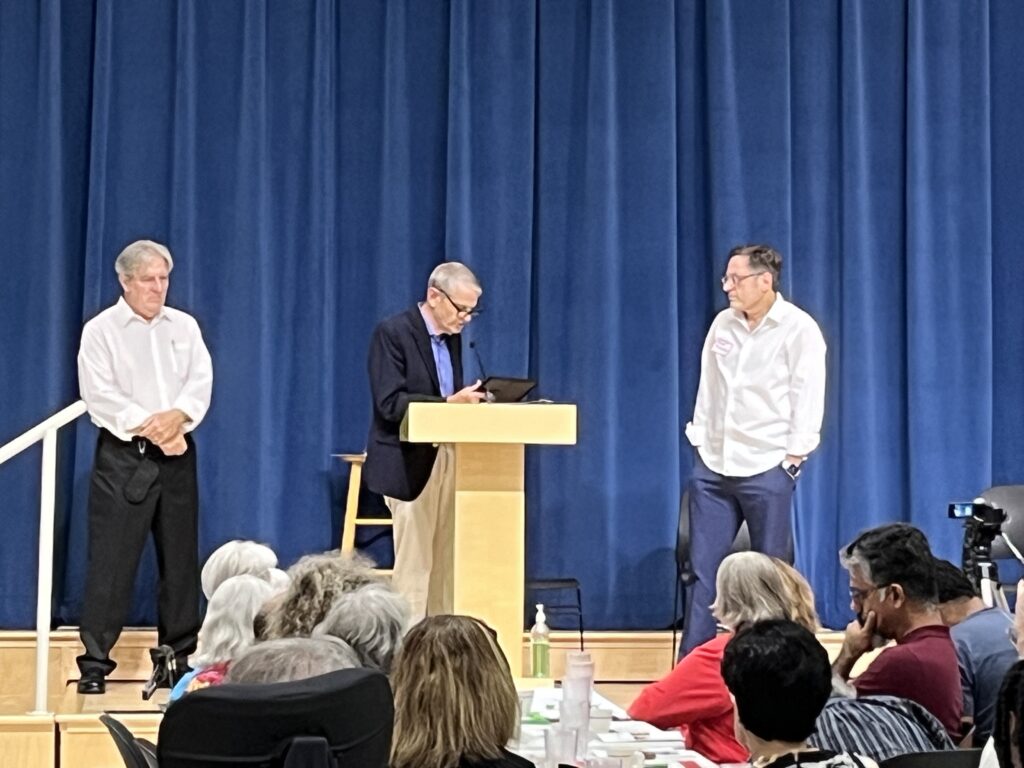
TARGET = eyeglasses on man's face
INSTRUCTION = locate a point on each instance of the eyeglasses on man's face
(463, 311)
(727, 280)
(860, 595)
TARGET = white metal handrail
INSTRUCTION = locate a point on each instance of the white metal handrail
(47, 432)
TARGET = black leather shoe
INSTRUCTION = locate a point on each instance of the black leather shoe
(92, 683)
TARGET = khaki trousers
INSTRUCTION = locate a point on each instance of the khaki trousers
(424, 530)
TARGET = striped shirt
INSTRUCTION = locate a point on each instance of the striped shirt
(879, 727)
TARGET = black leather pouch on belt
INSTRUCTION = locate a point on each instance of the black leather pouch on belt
(141, 481)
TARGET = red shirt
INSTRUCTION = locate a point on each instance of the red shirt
(693, 697)
(921, 667)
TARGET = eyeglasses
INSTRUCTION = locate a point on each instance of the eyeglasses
(860, 595)
(737, 279)
(465, 311)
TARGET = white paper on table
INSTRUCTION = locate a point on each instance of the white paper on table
(545, 702)
(645, 732)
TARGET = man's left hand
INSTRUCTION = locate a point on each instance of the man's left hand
(163, 426)
(175, 447)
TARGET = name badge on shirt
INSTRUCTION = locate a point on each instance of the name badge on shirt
(722, 346)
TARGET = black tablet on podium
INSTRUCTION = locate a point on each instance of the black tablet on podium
(506, 390)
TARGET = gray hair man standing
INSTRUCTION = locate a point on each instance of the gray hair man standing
(416, 356)
(146, 376)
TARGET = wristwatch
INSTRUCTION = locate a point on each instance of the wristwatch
(791, 469)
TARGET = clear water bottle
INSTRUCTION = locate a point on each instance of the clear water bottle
(540, 645)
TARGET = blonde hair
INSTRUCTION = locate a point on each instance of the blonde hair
(751, 587)
(454, 696)
(801, 597)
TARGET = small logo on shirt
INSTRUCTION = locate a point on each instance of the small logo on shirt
(722, 346)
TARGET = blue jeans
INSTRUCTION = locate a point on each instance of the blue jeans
(718, 506)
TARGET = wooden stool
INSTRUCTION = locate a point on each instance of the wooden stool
(352, 519)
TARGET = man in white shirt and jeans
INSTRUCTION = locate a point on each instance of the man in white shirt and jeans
(757, 418)
(145, 375)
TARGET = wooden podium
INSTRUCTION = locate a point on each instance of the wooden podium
(489, 546)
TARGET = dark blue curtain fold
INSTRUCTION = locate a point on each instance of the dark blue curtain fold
(309, 162)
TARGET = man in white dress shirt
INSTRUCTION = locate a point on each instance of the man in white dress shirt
(146, 376)
(757, 418)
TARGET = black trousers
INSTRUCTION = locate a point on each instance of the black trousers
(118, 529)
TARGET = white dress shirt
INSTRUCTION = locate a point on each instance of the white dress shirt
(762, 392)
(129, 369)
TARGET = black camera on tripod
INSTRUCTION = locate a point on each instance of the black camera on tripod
(982, 523)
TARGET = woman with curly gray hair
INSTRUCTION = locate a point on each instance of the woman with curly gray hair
(316, 582)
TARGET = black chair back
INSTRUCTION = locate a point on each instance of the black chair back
(684, 567)
(341, 718)
(132, 752)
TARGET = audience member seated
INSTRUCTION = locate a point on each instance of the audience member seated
(981, 637)
(227, 631)
(1007, 743)
(373, 620)
(316, 582)
(1008, 725)
(291, 658)
(236, 558)
(892, 591)
(455, 703)
(878, 726)
(779, 676)
(751, 587)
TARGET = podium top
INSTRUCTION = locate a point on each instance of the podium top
(517, 423)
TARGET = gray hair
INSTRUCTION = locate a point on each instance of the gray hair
(134, 254)
(278, 579)
(895, 553)
(450, 274)
(228, 627)
(235, 558)
(291, 658)
(372, 620)
(316, 582)
(751, 588)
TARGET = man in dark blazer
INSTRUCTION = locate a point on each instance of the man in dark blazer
(416, 356)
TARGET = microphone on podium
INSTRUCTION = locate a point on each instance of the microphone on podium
(479, 362)
(483, 374)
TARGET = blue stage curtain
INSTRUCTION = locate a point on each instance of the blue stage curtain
(309, 162)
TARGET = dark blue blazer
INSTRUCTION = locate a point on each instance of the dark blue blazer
(402, 371)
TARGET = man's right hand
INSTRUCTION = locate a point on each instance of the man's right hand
(858, 640)
(470, 394)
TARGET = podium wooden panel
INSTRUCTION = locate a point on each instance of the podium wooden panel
(489, 546)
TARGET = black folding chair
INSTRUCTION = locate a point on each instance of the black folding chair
(136, 753)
